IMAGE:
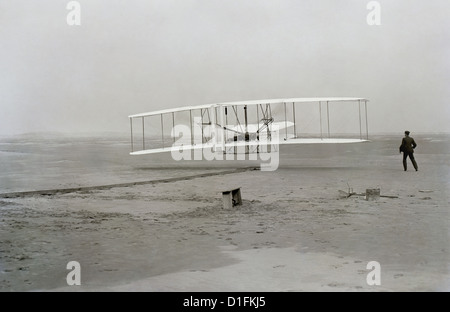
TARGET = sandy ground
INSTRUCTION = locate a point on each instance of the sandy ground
(293, 232)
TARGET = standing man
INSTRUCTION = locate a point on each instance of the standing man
(407, 147)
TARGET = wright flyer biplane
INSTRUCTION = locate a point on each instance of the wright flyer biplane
(249, 126)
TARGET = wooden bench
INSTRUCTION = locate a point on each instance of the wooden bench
(232, 198)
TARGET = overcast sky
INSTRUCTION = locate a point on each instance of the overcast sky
(133, 56)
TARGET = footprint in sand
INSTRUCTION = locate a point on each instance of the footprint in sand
(335, 284)
(279, 266)
(108, 270)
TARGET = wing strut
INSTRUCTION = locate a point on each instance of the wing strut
(247, 136)
(143, 134)
(162, 130)
(131, 125)
(328, 120)
(320, 116)
(285, 120)
(237, 118)
(173, 124)
(293, 110)
(359, 109)
(201, 114)
(367, 122)
(192, 132)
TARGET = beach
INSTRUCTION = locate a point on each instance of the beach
(160, 225)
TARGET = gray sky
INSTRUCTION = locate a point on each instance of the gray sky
(135, 56)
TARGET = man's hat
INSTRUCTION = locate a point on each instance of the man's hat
(407, 132)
